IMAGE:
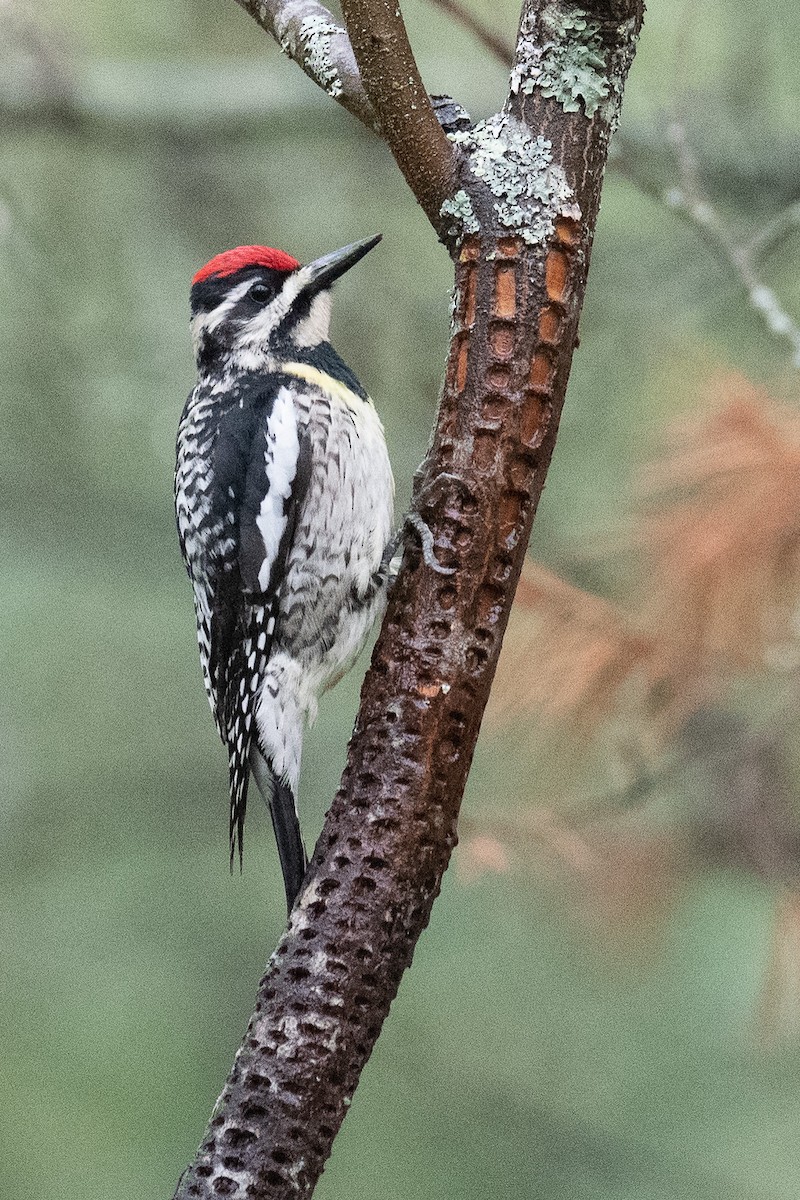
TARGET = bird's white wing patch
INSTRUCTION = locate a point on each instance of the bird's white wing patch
(280, 464)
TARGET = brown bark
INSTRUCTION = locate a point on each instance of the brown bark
(392, 82)
(387, 839)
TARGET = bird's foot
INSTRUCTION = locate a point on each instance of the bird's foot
(414, 521)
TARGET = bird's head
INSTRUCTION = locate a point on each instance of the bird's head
(253, 302)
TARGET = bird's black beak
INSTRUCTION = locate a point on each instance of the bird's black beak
(322, 272)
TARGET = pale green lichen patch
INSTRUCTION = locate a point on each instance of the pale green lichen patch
(530, 191)
(310, 42)
(464, 221)
(316, 34)
(570, 62)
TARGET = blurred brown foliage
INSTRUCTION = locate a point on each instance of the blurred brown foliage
(716, 542)
(717, 537)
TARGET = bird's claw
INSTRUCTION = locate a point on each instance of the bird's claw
(415, 522)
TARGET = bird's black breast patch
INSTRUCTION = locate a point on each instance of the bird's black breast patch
(324, 358)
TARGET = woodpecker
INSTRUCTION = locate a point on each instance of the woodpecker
(284, 500)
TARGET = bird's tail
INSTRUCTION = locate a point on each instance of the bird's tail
(283, 810)
(239, 773)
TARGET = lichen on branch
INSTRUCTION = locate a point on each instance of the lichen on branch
(568, 64)
(579, 59)
(310, 34)
(312, 41)
(529, 191)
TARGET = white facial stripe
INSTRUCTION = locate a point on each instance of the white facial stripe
(253, 336)
(257, 330)
(314, 328)
(206, 322)
(218, 314)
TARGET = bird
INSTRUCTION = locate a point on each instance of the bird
(284, 499)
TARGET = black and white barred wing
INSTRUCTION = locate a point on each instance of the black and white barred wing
(200, 526)
(241, 478)
(275, 485)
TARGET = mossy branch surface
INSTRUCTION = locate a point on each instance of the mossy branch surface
(520, 218)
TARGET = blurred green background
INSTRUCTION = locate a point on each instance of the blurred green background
(523, 1057)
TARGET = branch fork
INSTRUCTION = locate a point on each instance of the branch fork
(520, 237)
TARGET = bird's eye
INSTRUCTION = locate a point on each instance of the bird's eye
(260, 293)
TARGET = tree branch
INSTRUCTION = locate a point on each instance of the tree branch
(522, 224)
(374, 76)
(393, 84)
(310, 34)
(690, 201)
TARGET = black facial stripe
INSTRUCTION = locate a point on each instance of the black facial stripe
(298, 311)
(208, 293)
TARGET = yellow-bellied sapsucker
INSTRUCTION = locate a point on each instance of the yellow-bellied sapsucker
(284, 498)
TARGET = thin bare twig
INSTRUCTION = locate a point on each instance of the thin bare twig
(769, 237)
(500, 47)
(690, 201)
(693, 200)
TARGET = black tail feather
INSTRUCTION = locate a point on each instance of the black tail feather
(239, 779)
(285, 822)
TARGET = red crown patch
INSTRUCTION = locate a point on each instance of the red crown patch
(245, 256)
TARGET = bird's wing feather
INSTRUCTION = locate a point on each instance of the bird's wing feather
(238, 436)
(276, 484)
(199, 526)
(276, 477)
